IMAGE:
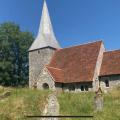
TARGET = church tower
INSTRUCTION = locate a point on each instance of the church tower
(42, 48)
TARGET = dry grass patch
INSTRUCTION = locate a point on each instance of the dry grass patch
(22, 102)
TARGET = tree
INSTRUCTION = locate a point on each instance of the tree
(14, 45)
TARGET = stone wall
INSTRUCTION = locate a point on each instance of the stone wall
(45, 78)
(37, 60)
(97, 69)
(74, 87)
(114, 80)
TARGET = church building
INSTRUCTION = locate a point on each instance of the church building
(78, 68)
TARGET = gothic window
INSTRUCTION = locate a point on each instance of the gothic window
(86, 88)
(45, 86)
(107, 83)
(82, 88)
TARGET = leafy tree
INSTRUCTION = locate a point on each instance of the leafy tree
(14, 45)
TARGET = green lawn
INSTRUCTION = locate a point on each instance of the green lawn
(24, 101)
(83, 104)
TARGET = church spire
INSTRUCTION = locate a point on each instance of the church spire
(45, 37)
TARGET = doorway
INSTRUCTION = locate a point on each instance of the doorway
(45, 86)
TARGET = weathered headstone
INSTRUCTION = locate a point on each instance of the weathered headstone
(98, 100)
(52, 107)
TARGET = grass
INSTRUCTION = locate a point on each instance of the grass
(111, 109)
(24, 101)
(75, 104)
(83, 104)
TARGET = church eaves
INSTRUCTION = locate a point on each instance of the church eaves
(45, 37)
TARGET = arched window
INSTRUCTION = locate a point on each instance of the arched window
(107, 83)
(45, 86)
(82, 88)
(86, 88)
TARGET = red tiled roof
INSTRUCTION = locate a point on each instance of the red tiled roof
(111, 63)
(57, 74)
(75, 64)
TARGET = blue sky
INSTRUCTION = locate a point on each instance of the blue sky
(74, 21)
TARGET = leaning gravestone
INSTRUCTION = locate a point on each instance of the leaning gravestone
(98, 100)
(52, 107)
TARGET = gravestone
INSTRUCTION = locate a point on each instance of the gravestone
(98, 100)
(52, 107)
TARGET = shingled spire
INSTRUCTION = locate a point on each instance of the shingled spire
(45, 37)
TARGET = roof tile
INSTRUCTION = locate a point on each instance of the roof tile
(76, 64)
(111, 63)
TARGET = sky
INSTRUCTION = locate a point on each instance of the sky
(74, 21)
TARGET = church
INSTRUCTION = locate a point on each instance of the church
(83, 67)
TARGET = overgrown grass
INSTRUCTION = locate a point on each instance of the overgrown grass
(111, 109)
(76, 104)
(83, 104)
(22, 102)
